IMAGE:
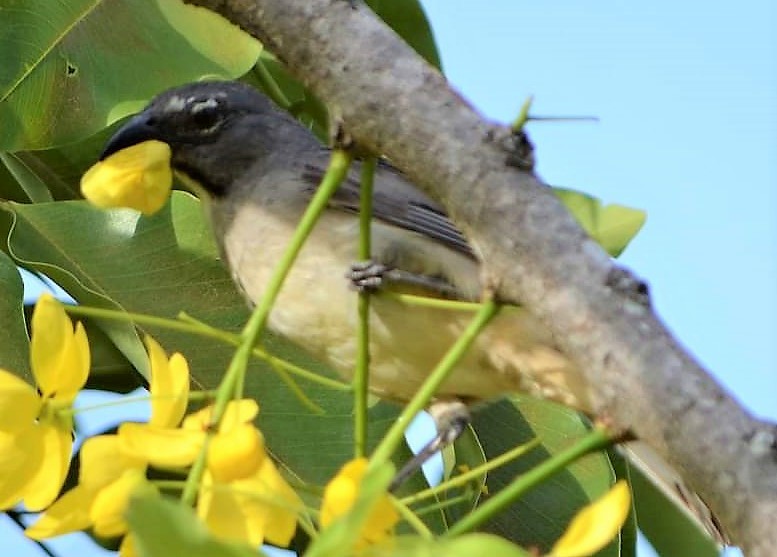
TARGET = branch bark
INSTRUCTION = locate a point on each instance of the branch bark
(535, 254)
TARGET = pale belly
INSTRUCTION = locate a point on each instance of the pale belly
(317, 310)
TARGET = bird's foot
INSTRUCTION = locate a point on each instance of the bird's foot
(368, 276)
(371, 276)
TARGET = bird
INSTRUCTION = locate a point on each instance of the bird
(256, 168)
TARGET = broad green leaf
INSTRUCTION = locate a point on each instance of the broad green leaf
(629, 531)
(15, 346)
(468, 545)
(669, 529)
(110, 371)
(164, 528)
(68, 69)
(465, 454)
(407, 18)
(59, 169)
(613, 226)
(540, 517)
(28, 180)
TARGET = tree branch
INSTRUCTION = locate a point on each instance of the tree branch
(534, 253)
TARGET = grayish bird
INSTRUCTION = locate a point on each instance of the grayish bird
(256, 168)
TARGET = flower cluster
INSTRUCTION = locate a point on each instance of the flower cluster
(242, 495)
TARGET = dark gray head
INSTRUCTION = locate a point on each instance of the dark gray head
(216, 130)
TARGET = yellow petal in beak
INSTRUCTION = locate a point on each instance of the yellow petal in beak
(138, 177)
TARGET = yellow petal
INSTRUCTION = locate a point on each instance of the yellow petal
(596, 524)
(59, 355)
(340, 495)
(237, 412)
(19, 458)
(51, 469)
(19, 403)
(138, 177)
(109, 506)
(127, 547)
(78, 362)
(285, 504)
(69, 513)
(163, 447)
(103, 461)
(169, 386)
(236, 454)
(220, 507)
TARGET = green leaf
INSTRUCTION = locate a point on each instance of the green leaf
(68, 69)
(165, 528)
(629, 531)
(30, 182)
(110, 370)
(612, 226)
(467, 453)
(408, 19)
(59, 169)
(460, 546)
(540, 517)
(669, 529)
(15, 347)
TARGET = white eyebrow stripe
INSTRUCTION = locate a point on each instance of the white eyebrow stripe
(202, 105)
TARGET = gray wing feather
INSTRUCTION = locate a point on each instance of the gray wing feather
(397, 202)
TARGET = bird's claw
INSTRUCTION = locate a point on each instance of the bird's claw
(367, 276)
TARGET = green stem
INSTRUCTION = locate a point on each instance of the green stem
(361, 374)
(595, 440)
(412, 519)
(193, 395)
(440, 373)
(442, 505)
(338, 167)
(523, 115)
(150, 320)
(188, 324)
(426, 301)
(466, 477)
(176, 485)
(274, 361)
(270, 86)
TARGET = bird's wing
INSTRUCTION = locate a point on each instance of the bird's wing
(396, 202)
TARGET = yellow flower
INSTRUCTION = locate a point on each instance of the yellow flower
(161, 442)
(107, 479)
(176, 447)
(138, 177)
(596, 524)
(243, 496)
(109, 474)
(340, 495)
(36, 423)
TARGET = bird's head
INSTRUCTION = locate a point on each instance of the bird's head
(216, 131)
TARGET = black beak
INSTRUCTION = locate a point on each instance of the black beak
(137, 130)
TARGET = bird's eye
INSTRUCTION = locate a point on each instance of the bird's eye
(206, 114)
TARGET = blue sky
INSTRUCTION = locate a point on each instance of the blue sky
(686, 96)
